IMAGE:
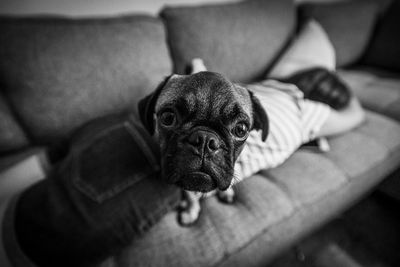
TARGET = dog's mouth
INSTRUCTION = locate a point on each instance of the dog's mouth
(196, 167)
(197, 181)
(193, 175)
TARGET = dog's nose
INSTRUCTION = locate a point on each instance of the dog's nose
(204, 141)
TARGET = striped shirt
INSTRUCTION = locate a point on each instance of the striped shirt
(293, 121)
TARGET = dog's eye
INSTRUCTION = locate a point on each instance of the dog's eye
(240, 130)
(168, 118)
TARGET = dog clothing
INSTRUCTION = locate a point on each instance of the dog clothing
(293, 121)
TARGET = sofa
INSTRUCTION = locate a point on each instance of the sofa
(57, 73)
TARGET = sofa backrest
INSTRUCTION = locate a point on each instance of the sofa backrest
(384, 48)
(349, 25)
(58, 73)
(240, 40)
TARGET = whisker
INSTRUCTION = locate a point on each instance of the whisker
(236, 182)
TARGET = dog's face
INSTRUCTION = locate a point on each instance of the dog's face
(201, 122)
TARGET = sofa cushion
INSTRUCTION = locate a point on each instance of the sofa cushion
(310, 175)
(276, 207)
(377, 90)
(59, 73)
(221, 229)
(303, 180)
(384, 49)
(349, 25)
(12, 137)
(239, 40)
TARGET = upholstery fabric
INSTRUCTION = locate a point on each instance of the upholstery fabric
(384, 50)
(342, 163)
(12, 137)
(239, 40)
(349, 25)
(59, 73)
(271, 207)
(310, 48)
(304, 181)
(221, 228)
(377, 90)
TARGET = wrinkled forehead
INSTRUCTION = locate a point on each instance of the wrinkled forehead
(205, 91)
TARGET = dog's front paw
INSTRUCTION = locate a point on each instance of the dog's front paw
(189, 209)
(187, 217)
(227, 196)
(198, 65)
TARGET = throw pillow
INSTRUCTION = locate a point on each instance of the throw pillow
(311, 48)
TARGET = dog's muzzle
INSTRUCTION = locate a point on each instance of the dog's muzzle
(197, 181)
(201, 161)
(203, 143)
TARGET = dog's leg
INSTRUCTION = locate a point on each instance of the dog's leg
(190, 208)
(227, 196)
(198, 65)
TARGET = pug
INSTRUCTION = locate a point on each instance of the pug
(201, 122)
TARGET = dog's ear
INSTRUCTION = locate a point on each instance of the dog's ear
(147, 106)
(260, 117)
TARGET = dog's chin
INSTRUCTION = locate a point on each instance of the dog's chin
(197, 181)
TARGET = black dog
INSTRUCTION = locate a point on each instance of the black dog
(201, 122)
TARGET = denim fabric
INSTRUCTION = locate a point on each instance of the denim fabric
(15, 254)
(106, 193)
(113, 153)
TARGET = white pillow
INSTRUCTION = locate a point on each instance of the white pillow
(311, 48)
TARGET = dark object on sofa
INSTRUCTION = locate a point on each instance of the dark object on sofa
(105, 194)
(320, 84)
